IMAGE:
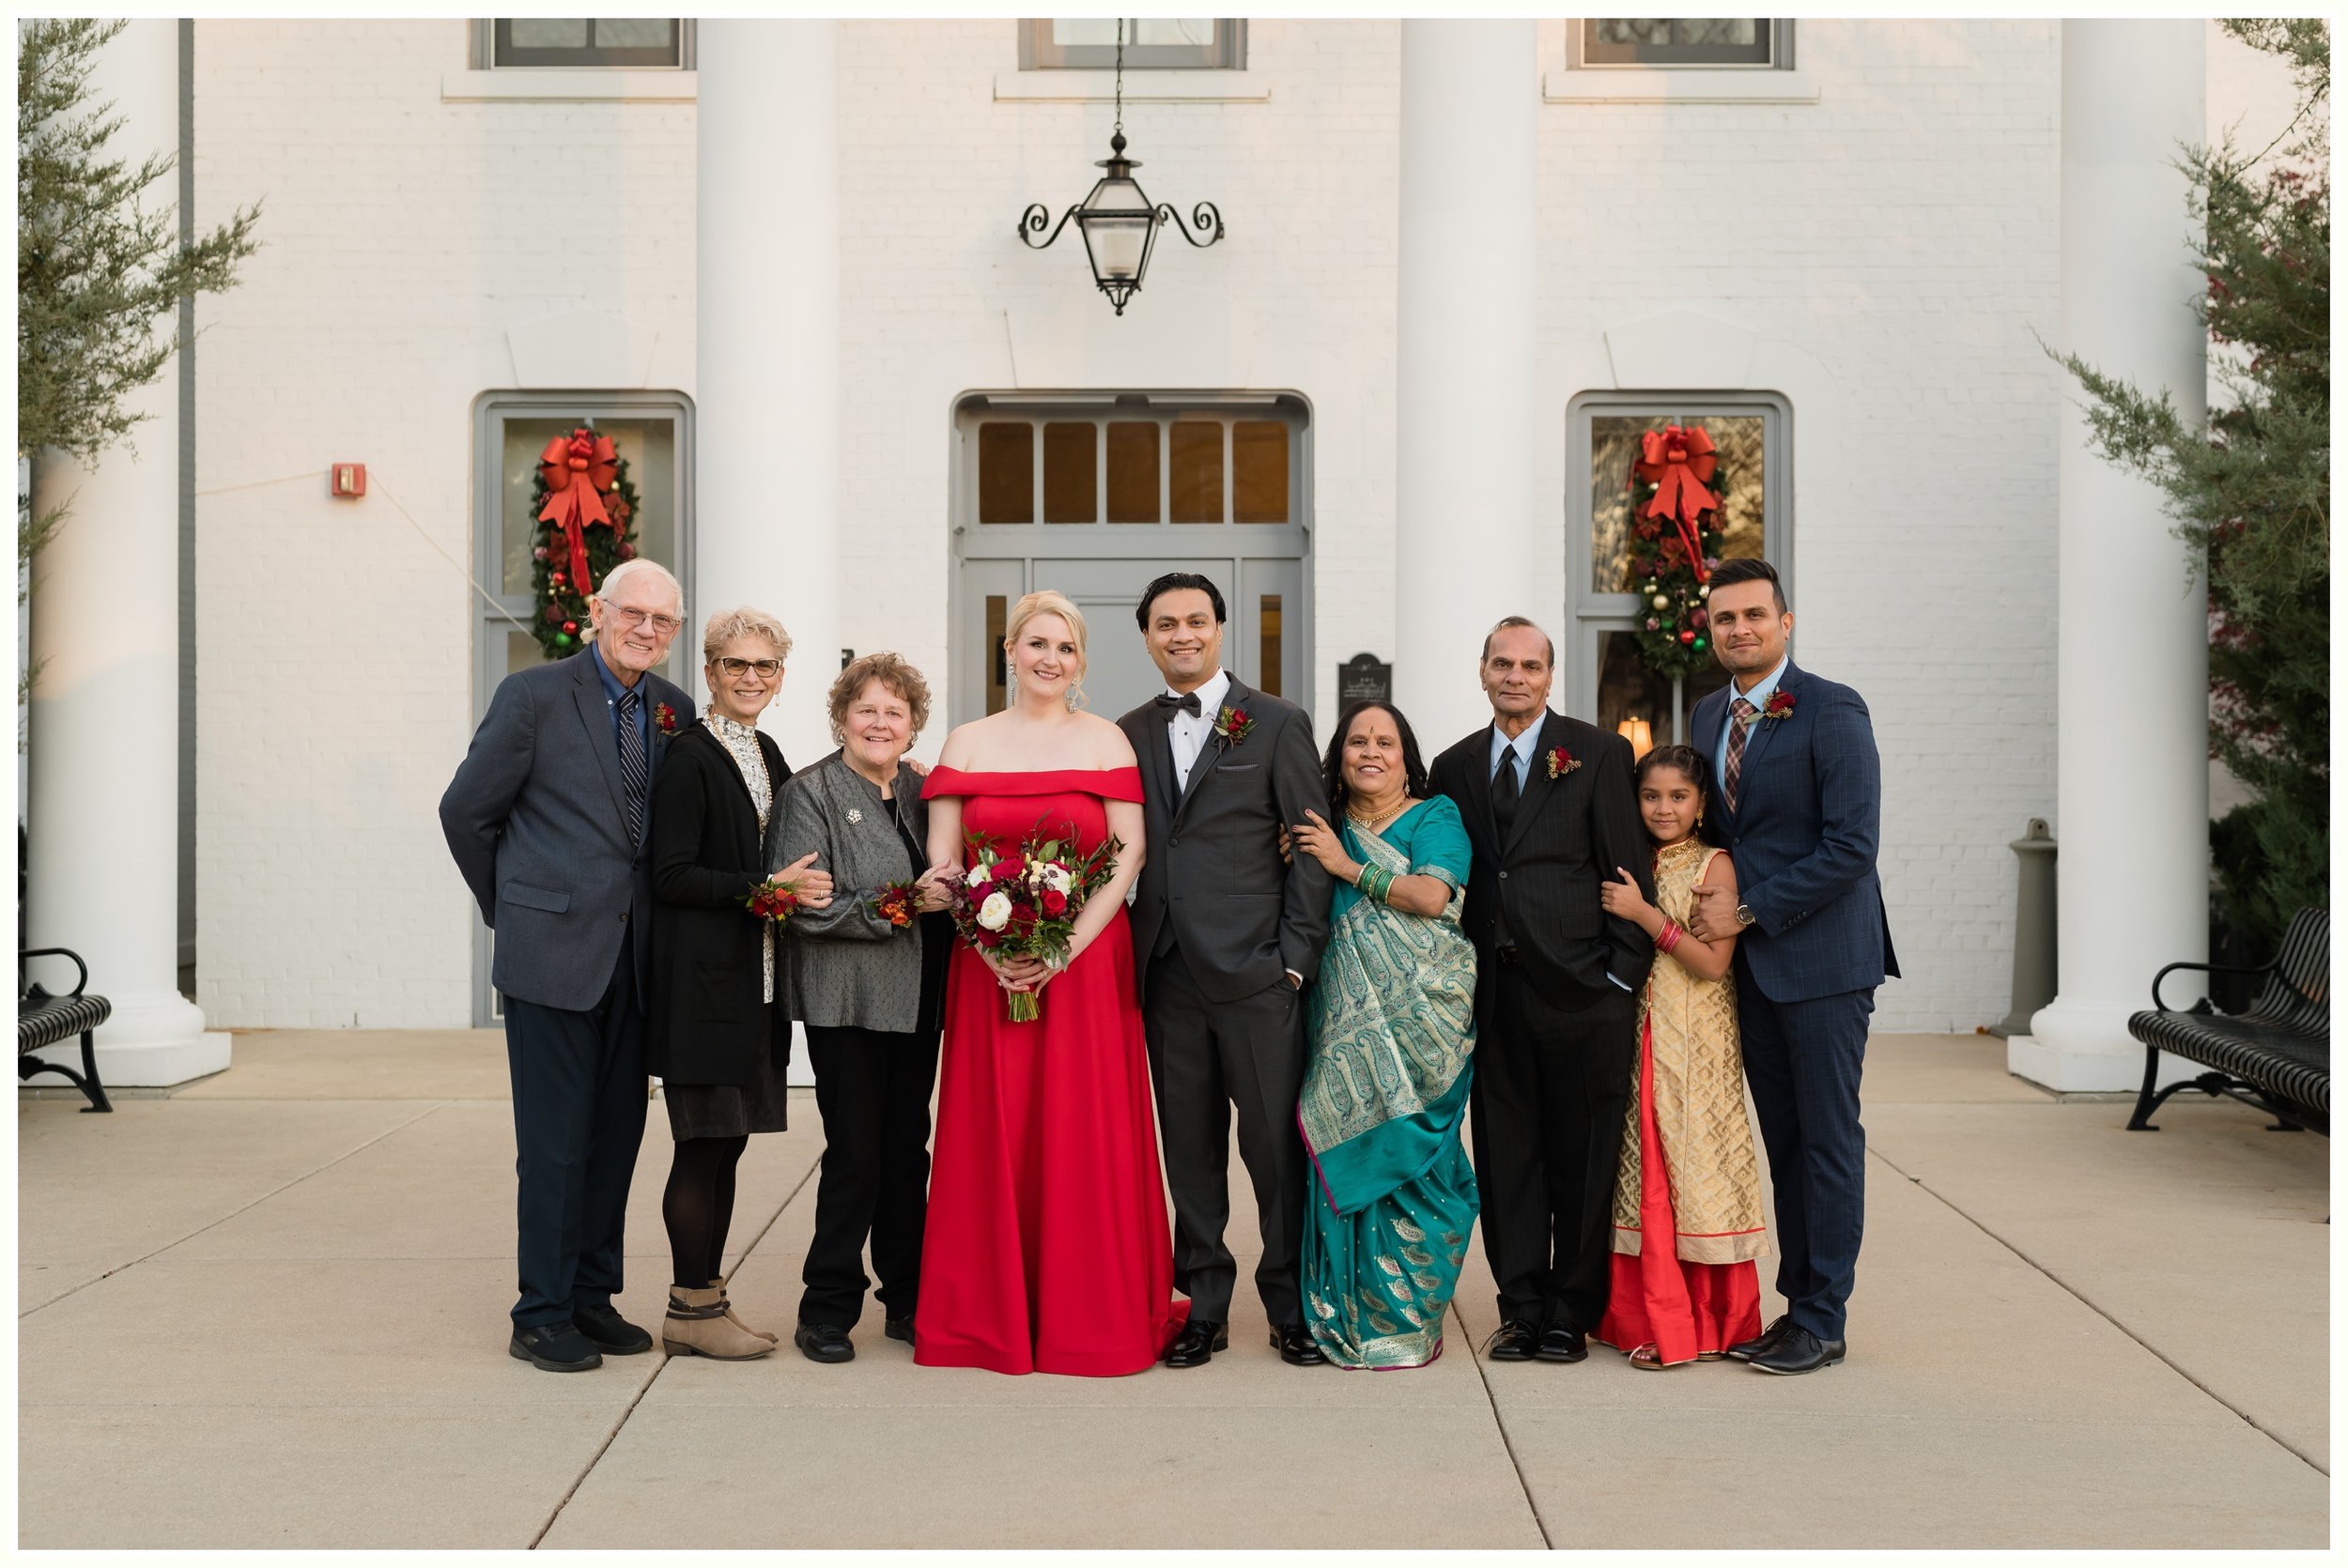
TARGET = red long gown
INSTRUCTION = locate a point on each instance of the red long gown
(1047, 1248)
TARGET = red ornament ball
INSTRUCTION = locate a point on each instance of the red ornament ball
(573, 626)
(1686, 636)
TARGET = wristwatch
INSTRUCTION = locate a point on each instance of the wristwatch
(1744, 914)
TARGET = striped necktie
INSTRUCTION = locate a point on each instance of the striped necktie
(1733, 765)
(634, 770)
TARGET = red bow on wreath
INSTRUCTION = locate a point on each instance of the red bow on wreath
(577, 468)
(1679, 463)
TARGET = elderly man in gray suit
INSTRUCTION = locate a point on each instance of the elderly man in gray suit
(546, 817)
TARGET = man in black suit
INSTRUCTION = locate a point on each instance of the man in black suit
(1550, 812)
(1227, 932)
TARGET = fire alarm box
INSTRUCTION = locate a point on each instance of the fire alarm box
(350, 478)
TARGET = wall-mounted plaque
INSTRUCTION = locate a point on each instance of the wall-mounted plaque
(1363, 679)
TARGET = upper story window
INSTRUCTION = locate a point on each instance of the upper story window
(588, 42)
(1598, 43)
(1151, 43)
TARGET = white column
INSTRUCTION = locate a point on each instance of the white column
(766, 275)
(105, 744)
(766, 509)
(2132, 794)
(1465, 506)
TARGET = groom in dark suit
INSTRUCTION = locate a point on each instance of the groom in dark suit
(1550, 813)
(1798, 799)
(1227, 932)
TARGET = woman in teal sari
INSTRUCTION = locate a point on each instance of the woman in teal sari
(1390, 1026)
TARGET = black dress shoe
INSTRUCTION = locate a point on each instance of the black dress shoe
(1513, 1341)
(1296, 1346)
(554, 1347)
(899, 1327)
(608, 1333)
(1800, 1351)
(823, 1342)
(1762, 1343)
(1562, 1342)
(1197, 1343)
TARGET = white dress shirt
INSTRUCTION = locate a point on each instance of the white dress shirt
(1190, 735)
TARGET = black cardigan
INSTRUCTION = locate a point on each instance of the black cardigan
(707, 1023)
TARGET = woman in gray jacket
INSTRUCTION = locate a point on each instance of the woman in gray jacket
(870, 992)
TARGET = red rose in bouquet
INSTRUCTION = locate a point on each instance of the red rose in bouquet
(1023, 902)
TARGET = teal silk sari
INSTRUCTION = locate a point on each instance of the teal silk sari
(1391, 1024)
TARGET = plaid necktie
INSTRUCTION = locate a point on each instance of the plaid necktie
(1733, 765)
(633, 767)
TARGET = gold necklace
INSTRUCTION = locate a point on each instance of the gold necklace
(1372, 824)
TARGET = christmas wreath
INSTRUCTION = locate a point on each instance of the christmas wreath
(587, 506)
(1676, 515)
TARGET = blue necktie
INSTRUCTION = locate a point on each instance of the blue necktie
(634, 770)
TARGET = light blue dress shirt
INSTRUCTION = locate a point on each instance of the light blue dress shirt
(1523, 745)
(1759, 697)
(612, 692)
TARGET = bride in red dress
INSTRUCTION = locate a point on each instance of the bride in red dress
(1047, 1248)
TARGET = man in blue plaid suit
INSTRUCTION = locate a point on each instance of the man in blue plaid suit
(1798, 798)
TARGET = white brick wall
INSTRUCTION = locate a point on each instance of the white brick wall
(1890, 249)
(402, 236)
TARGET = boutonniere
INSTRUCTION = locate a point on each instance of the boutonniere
(1561, 762)
(1232, 726)
(664, 718)
(1779, 705)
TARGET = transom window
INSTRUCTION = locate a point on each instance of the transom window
(1151, 43)
(1137, 465)
(1751, 438)
(607, 42)
(1753, 42)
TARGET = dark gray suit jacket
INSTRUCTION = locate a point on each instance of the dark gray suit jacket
(1214, 871)
(537, 820)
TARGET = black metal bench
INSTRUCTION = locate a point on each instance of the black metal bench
(2276, 1057)
(43, 1019)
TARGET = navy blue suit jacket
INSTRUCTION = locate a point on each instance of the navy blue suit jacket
(1803, 836)
(536, 819)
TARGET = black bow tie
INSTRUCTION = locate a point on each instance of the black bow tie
(1188, 702)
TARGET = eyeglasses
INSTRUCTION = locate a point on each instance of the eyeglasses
(767, 669)
(663, 625)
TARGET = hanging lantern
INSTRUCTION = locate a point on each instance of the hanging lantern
(1118, 221)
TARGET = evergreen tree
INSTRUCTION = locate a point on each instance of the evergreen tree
(99, 271)
(2252, 490)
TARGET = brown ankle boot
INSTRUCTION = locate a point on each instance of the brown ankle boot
(720, 1282)
(697, 1325)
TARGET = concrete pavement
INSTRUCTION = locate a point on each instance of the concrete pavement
(270, 1310)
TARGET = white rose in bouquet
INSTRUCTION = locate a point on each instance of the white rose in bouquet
(978, 875)
(996, 912)
(1056, 877)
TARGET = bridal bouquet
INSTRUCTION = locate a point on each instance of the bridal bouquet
(1023, 902)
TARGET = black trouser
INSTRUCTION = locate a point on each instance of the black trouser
(872, 1090)
(1206, 1058)
(1546, 1106)
(579, 1115)
(1804, 1061)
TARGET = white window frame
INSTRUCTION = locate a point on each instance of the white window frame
(483, 39)
(1566, 79)
(1590, 614)
(1781, 52)
(1037, 51)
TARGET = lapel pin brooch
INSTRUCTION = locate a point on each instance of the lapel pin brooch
(856, 814)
